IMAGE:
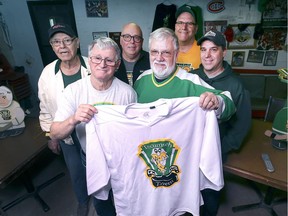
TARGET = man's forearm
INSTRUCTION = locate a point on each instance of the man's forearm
(61, 130)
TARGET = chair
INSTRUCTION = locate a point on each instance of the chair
(273, 107)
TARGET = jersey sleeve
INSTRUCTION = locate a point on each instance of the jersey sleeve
(211, 162)
(97, 172)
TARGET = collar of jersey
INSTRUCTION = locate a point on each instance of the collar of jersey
(166, 81)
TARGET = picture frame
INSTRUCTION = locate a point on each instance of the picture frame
(270, 58)
(115, 36)
(274, 14)
(238, 58)
(97, 35)
(255, 56)
(96, 8)
(242, 39)
(272, 39)
(219, 25)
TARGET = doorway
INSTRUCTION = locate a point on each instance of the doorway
(43, 14)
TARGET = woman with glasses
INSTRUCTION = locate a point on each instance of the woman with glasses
(134, 59)
(77, 105)
(56, 76)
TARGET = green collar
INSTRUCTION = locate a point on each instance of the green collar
(57, 65)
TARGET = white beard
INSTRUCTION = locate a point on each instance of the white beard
(161, 74)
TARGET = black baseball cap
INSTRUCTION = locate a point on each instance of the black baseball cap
(60, 27)
(214, 36)
(185, 8)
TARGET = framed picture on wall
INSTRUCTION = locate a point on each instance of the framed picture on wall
(272, 39)
(219, 25)
(115, 36)
(270, 58)
(99, 34)
(275, 14)
(243, 39)
(255, 56)
(96, 8)
(238, 58)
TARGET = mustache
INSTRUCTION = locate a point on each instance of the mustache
(160, 62)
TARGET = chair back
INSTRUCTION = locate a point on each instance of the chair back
(273, 107)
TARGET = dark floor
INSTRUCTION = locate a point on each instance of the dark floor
(61, 200)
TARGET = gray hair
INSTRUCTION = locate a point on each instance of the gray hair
(163, 34)
(105, 43)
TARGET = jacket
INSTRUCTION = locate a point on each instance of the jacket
(50, 86)
(233, 131)
(142, 64)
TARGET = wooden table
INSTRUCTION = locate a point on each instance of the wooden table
(19, 153)
(248, 164)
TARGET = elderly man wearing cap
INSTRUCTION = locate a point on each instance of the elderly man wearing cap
(68, 68)
(219, 74)
(186, 28)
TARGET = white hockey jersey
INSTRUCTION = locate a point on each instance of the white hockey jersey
(155, 156)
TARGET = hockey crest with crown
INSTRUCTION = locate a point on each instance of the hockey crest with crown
(160, 157)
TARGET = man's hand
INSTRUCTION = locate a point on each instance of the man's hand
(54, 146)
(208, 101)
(84, 113)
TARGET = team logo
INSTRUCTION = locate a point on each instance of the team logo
(160, 157)
(6, 115)
(215, 6)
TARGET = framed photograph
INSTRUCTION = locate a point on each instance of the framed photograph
(96, 8)
(275, 14)
(270, 58)
(96, 35)
(219, 25)
(255, 56)
(243, 39)
(238, 59)
(272, 39)
(115, 36)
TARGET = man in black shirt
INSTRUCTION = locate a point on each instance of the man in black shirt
(134, 59)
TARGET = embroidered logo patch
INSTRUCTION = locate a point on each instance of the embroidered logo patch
(160, 157)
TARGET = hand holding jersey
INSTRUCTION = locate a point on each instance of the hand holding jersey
(84, 113)
(209, 101)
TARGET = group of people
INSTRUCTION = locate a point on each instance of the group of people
(176, 66)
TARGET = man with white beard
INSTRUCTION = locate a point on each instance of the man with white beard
(166, 80)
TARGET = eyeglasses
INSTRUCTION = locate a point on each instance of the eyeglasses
(165, 54)
(66, 42)
(136, 38)
(98, 60)
(186, 23)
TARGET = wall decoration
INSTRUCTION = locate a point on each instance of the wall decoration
(216, 6)
(219, 25)
(272, 39)
(238, 58)
(255, 56)
(275, 13)
(270, 58)
(99, 34)
(115, 36)
(96, 8)
(242, 39)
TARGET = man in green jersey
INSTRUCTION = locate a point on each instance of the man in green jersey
(166, 80)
